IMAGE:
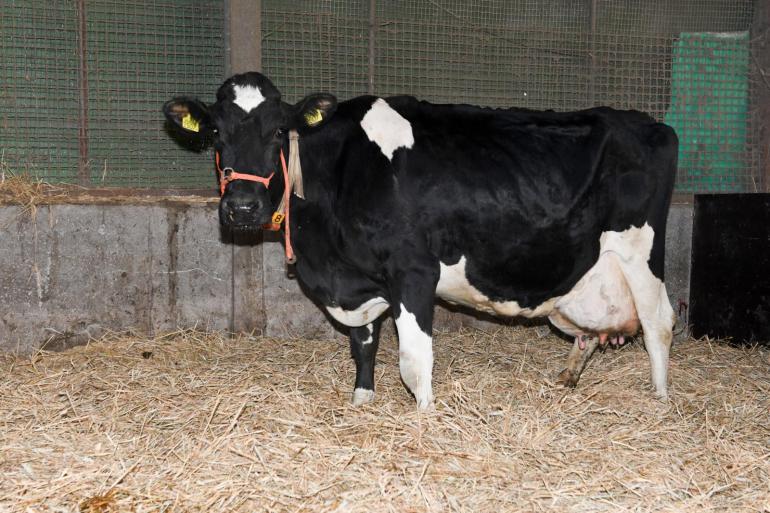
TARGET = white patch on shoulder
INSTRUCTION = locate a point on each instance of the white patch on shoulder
(415, 351)
(247, 97)
(387, 128)
(369, 339)
(453, 286)
(362, 315)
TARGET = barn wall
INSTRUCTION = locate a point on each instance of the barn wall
(71, 272)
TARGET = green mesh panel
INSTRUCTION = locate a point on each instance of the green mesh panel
(709, 104)
(139, 54)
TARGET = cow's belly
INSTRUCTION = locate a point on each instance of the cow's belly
(601, 302)
(453, 286)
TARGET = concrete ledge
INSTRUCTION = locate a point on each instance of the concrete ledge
(71, 272)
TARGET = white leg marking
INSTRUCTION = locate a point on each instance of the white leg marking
(362, 315)
(387, 128)
(415, 358)
(657, 323)
(652, 305)
(247, 97)
(362, 396)
(369, 339)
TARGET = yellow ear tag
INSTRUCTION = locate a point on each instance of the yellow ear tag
(314, 117)
(278, 218)
(190, 123)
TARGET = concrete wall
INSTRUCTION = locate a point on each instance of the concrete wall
(71, 272)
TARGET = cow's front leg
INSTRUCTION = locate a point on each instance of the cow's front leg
(413, 312)
(415, 353)
(364, 342)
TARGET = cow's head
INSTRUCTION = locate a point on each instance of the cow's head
(249, 125)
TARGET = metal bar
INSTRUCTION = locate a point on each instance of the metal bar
(84, 173)
(760, 92)
(372, 42)
(592, 51)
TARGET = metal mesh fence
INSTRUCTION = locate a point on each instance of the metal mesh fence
(686, 62)
(109, 76)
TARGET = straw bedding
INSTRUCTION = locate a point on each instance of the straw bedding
(201, 422)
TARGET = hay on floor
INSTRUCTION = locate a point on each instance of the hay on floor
(202, 422)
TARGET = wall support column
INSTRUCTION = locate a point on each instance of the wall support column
(244, 31)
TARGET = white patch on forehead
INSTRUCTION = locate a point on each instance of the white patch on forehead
(247, 97)
(363, 315)
(387, 128)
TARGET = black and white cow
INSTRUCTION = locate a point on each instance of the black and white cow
(513, 212)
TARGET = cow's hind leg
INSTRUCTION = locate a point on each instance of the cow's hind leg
(576, 361)
(364, 342)
(657, 319)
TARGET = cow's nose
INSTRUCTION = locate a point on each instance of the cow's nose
(234, 211)
(244, 212)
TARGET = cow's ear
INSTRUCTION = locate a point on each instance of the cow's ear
(189, 115)
(315, 110)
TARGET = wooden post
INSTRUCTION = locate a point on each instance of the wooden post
(243, 49)
(244, 35)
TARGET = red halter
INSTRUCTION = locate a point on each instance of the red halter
(228, 175)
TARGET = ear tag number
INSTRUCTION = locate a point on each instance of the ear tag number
(278, 218)
(190, 123)
(314, 117)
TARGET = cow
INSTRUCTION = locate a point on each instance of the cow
(397, 202)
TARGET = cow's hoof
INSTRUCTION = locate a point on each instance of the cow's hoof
(567, 379)
(424, 397)
(426, 404)
(362, 396)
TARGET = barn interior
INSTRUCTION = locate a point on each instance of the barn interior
(163, 365)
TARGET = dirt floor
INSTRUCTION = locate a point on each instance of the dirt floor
(202, 422)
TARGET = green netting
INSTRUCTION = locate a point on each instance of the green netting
(709, 105)
(529, 53)
(38, 88)
(138, 54)
(316, 45)
(651, 56)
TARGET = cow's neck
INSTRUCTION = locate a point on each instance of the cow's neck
(316, 217)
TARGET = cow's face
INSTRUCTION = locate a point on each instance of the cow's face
(248, 125)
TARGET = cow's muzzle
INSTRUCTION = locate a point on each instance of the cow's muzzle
(243, 211)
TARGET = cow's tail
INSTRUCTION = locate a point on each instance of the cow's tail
(663, 165)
